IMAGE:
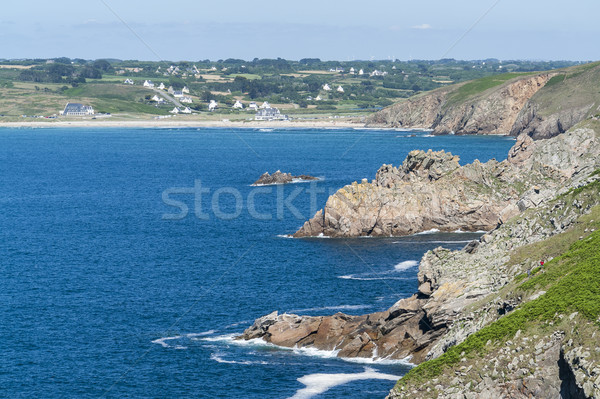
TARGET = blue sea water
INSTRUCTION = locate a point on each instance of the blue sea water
(102, 296)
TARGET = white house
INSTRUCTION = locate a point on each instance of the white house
(186, 110)
(148, 83)
(175, 110)
(212, 105)
(253, 106)
(158, 99)
(161, 86)
(171, 90)
(340, 89)
(361, 72)
(265, 105)
(326, 87)
(378, 73)
(352, 71)
(213, 68)
(270, 114)
(177, 94)
(185, 90)
(318, 98)
(186, 99)
(76, 109)
(238, 105)
(128, 82)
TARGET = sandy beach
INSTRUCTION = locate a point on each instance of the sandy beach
(172, 122)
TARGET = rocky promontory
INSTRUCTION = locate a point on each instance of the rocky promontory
(541, 105)
(460, 292)
(281, 178)
(430, 190)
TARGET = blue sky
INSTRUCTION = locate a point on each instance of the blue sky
(330, 30)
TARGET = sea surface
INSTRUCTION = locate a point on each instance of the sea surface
(129, 258)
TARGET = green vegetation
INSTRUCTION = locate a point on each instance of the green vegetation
(478, 86)
(296, 87)
(571, 281)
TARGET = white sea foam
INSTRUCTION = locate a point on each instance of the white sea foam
(428, 135)
(218, 357)
(193, 336)
(355, 277)
(433, 242)
(163, 341)
(432, 231)
(340, 307)
(304, 351)
(407, 264)
(316, 384)
(285, 236)
(475, 232)
(265, 130)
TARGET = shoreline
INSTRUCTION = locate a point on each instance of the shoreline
(152, 123)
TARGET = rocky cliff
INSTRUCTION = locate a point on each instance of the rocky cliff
(459, 290)
(504, 104)
(430, 190)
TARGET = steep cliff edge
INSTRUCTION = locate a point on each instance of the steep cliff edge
(503, 104)
(458, 290)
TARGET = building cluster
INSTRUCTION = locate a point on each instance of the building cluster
(76, 109)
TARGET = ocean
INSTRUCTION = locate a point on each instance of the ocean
(131, 257)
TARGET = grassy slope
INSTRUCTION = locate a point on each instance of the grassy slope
(571, 282)
(573, 88)
(475, 87)
(115, 98)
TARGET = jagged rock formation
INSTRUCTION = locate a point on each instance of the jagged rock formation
(523, 104)
(281, 178)
(431, 191)
(441, 314)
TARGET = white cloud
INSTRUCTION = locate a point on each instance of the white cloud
(422, 26)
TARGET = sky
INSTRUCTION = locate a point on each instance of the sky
(331, 30)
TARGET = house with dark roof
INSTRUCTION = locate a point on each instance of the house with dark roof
(76, 109)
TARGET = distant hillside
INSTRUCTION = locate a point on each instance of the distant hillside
(541, 104)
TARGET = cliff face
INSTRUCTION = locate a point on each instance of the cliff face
(492, 111)
(520, 105)
(431, 191)
(570, 97)
(458, 290)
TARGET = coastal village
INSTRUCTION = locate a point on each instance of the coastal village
(237, 90)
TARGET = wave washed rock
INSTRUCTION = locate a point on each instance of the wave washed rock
(281, 178)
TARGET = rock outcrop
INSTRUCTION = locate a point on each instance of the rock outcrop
(430, 190)
(441, 314)
(281, 178)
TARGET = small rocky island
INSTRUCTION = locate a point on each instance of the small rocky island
(281, 178)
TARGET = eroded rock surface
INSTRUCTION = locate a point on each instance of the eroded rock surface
(430, 190)
(493, 111)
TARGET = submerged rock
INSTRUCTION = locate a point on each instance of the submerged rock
(281, 178)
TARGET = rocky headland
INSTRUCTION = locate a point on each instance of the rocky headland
(281, 178)
(537, 203)
(541, 105)
(430, 190)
